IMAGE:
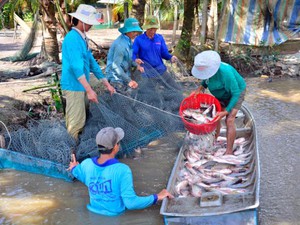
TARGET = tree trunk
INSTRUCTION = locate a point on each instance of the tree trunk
(197, 22)
(64, 20)
(183, 47)
(175, 23)
(138, 9)
(220, 19)
(50, 48)
(214, 7)
(204, 23)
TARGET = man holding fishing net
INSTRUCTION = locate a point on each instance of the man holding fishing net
(77, 63)
(119, 59)
(226, 84)
(149, 50)
(110, 182)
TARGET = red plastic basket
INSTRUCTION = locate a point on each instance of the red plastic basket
(193, 102)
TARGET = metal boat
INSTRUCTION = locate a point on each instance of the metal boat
(214, 207)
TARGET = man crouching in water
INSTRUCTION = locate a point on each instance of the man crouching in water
(109, 181)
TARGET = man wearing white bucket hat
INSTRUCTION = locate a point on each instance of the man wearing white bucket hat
(119, 58)
(226, 84)
(77, 63)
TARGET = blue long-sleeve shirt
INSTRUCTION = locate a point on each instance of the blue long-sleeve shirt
(152, 51)
(226, 84)
(77, 60)
(119, 60)
(110, 187)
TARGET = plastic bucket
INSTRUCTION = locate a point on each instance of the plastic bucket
(193, 102)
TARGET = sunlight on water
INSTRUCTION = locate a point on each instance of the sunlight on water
(28, 210)
(291, 97)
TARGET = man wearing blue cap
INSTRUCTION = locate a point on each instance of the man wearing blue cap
(119, 59)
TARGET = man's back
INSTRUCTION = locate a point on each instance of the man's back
(110, 187)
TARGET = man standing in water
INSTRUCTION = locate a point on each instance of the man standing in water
(226, 84)
(109, 181)
(77, 63)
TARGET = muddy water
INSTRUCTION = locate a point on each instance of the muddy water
(276, 109)
(32, 199)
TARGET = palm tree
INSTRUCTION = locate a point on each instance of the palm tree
(47, 10)
(50, 48)
(138, 10)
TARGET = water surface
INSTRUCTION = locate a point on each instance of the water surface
(34, 199)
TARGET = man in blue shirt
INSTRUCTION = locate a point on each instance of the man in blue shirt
(119, 58)
(149, 49)
(109, 181)
(77, 63)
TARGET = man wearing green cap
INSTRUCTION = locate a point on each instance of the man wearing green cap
(119, 59)
(149, 50)
(151, 47)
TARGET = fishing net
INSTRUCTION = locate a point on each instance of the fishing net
(23, 54)
(145, 114)
(46, 139)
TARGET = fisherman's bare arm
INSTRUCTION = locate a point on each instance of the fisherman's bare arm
(199, 90)
(164, 194)
(91, 94)
(221, 114)
(139, 67)
(73, 162)
(133, 84)
(110, 88)
(174, 59)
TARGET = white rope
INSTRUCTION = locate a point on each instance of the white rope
(147, 105)
(7, 133)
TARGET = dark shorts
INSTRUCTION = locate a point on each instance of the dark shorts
(238, 105)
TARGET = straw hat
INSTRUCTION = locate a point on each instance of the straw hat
(206, 64)
(130, 25)
(86, 14)
(151, 22)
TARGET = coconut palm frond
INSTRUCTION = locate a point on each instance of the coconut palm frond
(119, 7)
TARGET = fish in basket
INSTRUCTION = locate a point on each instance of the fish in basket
(198, 113)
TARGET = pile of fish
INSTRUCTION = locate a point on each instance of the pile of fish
(205, 168)
(204, 114)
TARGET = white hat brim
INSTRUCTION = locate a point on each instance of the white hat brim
(89, 21)
(209, 61)
(206, 73)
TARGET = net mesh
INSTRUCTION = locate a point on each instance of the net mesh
(145, 114)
